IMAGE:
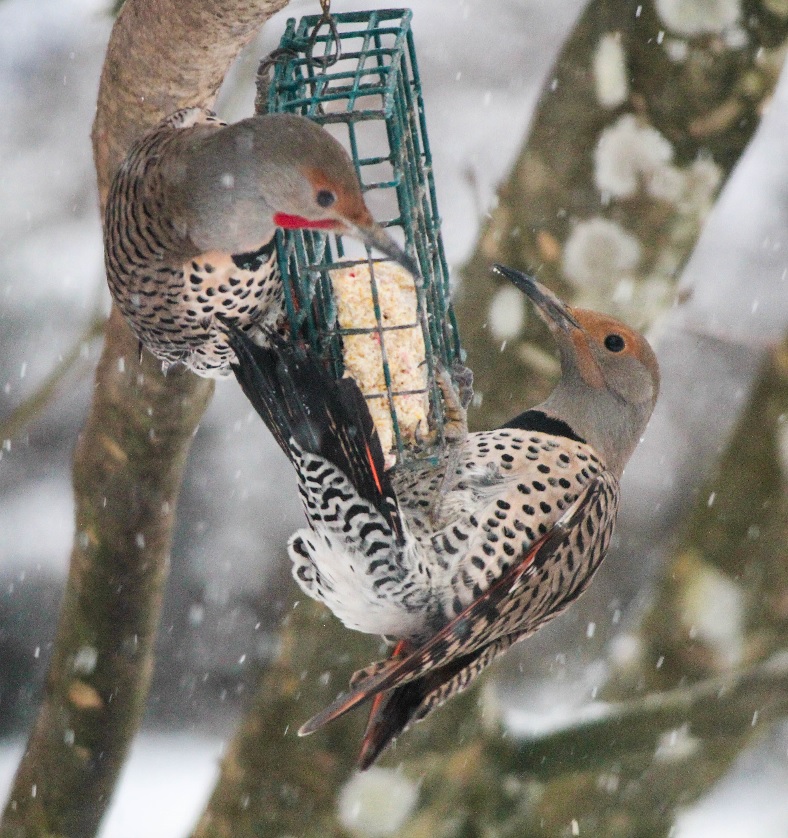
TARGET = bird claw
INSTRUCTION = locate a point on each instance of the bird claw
(462, 377)
(456, 391)
(265, 75)
(455, 386)
(455, 424)
(399, 652)
(424, 438)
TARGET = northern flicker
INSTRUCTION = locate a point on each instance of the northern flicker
(455, 562)
(190, 222)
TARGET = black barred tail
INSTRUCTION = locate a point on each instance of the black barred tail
(300, 402)
(394, 711)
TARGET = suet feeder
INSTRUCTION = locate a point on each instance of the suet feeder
(356, 74)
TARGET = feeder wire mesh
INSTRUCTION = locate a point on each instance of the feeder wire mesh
(356, 74)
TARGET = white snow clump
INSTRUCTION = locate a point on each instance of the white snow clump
(676, 745)
(610, 71)
(598, 253)
(376, 803)
(676, 49)
(698, 17)
(507, 313)
(85, 660)
(782, 445)
(628, 154)
(713, 609)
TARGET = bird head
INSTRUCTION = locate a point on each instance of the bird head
(231, 187)
(609, 374)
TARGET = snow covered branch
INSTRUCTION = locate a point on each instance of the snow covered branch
(725, 705)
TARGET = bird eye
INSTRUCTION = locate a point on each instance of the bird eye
(614, 342)
(325, 197)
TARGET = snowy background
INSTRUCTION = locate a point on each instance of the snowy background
(482, 66)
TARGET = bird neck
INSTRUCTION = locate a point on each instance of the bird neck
(610, 425)
(209, 193)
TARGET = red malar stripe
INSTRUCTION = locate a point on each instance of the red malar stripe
(297, 222)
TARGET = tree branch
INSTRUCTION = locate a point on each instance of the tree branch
(35, 404)
(722, 706)
(128, 466)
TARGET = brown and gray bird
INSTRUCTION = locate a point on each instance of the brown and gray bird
(190, 223)
(456, 562)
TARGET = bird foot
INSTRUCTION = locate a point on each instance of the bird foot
(462, 377)
(457, 390)
(265, 74)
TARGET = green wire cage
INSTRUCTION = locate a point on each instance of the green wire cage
(356, 74)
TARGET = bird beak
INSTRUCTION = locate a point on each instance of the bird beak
(551, 309)
(374, 235)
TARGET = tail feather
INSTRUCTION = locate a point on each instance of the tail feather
(399, 671)
(395, 710)
(390, 715)
(299, 401)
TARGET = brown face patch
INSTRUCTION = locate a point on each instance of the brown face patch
(349, 205)
(598, 327)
